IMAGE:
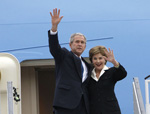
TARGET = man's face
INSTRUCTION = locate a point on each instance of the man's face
(78, 45)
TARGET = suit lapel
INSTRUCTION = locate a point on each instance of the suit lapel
(103, 76)
(77, 64)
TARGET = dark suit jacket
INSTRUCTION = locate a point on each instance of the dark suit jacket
(69, 87)
(101, 93)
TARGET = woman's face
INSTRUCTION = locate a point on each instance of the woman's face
(98, 61)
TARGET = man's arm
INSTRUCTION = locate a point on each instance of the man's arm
(54, 45)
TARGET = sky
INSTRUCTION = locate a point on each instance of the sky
(124, 24)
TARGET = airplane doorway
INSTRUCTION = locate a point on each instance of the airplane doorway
(37, 86)
(46, 87)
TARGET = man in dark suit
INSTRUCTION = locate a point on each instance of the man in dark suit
(71, 94)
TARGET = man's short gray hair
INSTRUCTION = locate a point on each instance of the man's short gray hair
(75, 34)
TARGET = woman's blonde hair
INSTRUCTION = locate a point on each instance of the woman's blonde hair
(96, 50)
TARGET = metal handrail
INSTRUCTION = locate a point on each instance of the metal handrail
(147, 106)
(0, 75)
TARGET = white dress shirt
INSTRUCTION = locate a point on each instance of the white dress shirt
(53, 33)
(93, 74)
